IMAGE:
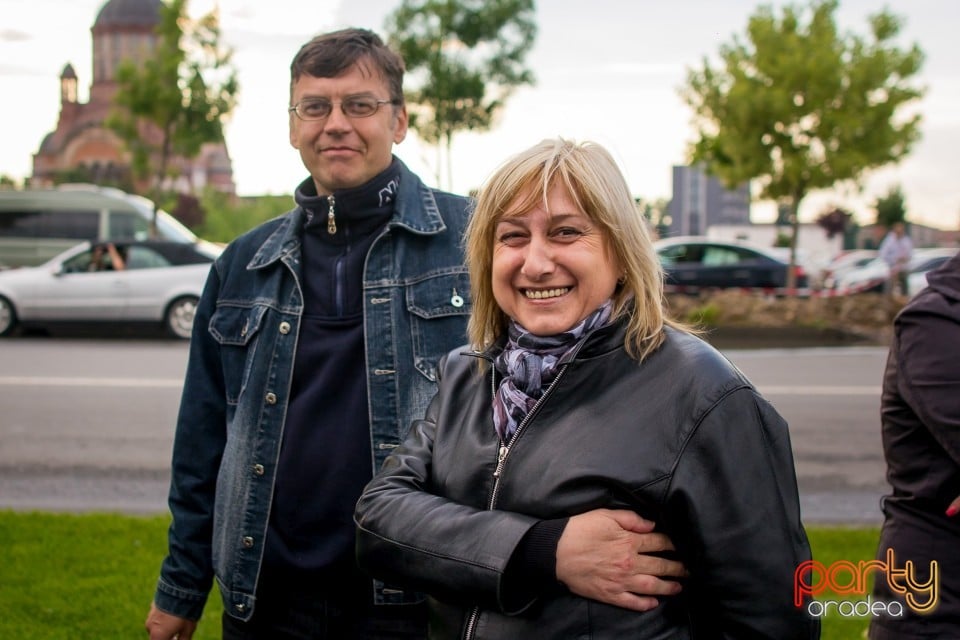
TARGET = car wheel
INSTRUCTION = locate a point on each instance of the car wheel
(178, 320)
(8, 317)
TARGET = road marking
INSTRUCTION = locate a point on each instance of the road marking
(820, 390)
(25, 381)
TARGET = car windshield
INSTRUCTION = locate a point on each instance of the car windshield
(79, 263)
(170, 228)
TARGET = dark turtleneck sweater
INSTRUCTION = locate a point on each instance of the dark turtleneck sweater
(325, 457)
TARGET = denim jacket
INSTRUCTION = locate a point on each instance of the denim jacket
(231, 420)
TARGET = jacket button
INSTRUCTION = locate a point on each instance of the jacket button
(240, 607)
(258, 469)
(284, 328)
(247, 541)
(271, 398)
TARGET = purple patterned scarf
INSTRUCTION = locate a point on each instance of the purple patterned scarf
(529, 364)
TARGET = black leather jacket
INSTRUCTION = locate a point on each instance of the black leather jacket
(682, 439)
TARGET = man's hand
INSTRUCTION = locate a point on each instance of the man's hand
(601, 556)
(164, 626)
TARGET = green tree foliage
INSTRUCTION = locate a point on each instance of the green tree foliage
(656, 214)
(798, 106)
(226, 217)
(464, 58)
(173, 102)
(891, 208)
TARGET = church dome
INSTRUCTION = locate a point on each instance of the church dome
(128, 13)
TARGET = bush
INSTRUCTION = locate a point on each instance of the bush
(707, 315)
(227, 217)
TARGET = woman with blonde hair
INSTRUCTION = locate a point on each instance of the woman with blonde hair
(578, 395)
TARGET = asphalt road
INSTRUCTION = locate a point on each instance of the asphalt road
(831, 400)
(86, 424)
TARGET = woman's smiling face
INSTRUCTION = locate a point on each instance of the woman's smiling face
(552, 265)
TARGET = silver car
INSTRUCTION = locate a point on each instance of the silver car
(156, 282)
(873, 276)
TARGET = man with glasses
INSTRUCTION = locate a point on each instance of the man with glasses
(315, 346)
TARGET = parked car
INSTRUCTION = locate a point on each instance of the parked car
(37, 224)
(916, 282)
(873, 276)
(917, 279)
(845, 262)
(697, 262)
(155, 282)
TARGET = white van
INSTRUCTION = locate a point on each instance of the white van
(37, 224)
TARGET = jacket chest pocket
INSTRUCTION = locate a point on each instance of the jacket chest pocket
(236, 330)
(439, 308)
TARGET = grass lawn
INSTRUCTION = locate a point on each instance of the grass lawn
(83, 576)
(830, 544)
(93, 576)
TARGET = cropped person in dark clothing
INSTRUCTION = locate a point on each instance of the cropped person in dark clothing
(315, 346)
(920, 416)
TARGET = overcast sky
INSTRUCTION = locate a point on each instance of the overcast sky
(607, 70)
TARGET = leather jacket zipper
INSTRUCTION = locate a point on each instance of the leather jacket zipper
(502, 453)
(505, 448)
(331, 219)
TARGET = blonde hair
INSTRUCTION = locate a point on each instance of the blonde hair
(591, 177)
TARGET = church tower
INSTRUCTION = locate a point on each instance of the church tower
(81, 147)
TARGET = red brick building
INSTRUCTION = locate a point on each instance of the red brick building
(81, 144)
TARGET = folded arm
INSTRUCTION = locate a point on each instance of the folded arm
(407, 534)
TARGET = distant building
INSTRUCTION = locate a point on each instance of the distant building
(83, 146)
(700, 201)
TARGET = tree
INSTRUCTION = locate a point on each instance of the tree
(464, 58)
(170, 104)
(188, 210)
(799, 106)
(225, 218)
(834, 221)
(891, 208)
(656, 213)
(108, 175)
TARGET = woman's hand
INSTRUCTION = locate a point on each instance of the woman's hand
(954, 507)
(601, 556)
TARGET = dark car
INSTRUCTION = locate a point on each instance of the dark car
(126, 282)
(692, 263)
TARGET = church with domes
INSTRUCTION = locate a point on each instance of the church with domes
(82, 147)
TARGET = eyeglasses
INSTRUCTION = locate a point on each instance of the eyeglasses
(320, 108)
